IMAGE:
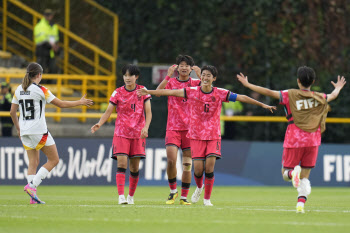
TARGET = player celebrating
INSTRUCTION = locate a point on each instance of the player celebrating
(204, 130)
(306, 112)
(31, 126)
(131, 130)
(177, 126)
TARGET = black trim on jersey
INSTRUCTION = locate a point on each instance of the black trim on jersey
(290, 122)
(289, 116)
(37, 85)
(149, 98)
(130, 90)
(212, 89)
(228, 96)
(183, 81)
(112, 103)
(41, 107)
(185, 94)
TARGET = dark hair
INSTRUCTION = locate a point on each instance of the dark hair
(33, 69)
(133, 69)
(188, 59)
(211, 69)
(306, 76)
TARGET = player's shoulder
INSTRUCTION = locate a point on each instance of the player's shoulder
(220, 89)
(140, 87)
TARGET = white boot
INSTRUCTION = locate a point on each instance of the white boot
(122, 200)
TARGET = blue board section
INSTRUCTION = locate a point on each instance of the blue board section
(88, 162)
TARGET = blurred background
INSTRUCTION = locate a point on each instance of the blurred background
(266, 40)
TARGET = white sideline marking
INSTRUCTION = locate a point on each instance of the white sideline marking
(326, 224)
(177, 207)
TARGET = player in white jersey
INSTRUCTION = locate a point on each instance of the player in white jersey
(31, 99)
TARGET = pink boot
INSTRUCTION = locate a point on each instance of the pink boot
(32, 193)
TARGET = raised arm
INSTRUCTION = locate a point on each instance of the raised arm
(197, 70)
(166, 80)
(337, 87)
(70, 104)
(105, 116)
(148, 111)
(13, 114)
(262, 90)
(248, 100)
(177, 93)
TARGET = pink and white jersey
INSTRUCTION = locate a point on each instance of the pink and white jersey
(205, 112)
(178, 108)
(296, 137)
(130, 109)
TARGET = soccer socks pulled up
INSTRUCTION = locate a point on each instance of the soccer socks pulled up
(172, 185)
(120, 180)
(199, 180)
(30, 178)
(209, 183)
(185, 188)
(133, 180)
(38, 178)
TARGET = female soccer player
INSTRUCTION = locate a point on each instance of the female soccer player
(31, 126)
(131, 130)
(177, 126)
(306, 112)
(204, 131)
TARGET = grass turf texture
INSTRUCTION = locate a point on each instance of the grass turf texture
(236, 209)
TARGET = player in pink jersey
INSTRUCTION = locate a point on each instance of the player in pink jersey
(177, 126)
(131, 130)
(204, 131)
(300, 146)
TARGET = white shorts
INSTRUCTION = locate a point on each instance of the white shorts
(37, 141)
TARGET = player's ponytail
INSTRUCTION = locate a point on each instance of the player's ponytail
(33, 69)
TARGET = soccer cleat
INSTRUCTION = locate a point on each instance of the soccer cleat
(122, 200)
(197, 194)
(184, 202)
(296, 176)
(32, 193)
(171, 198)
(130, 200)
(300, 209)
(32, 201)
(207, 202)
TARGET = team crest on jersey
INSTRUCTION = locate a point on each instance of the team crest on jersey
(213, 99)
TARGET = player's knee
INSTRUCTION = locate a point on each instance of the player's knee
(187, 164)
(171, 163)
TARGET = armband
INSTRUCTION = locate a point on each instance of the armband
(232, 97)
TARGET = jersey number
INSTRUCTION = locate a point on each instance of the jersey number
(27, 106)
(133, 107)
(206, 107)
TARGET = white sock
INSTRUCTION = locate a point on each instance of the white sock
(42, 173)
(173, 190)
(300, 204)
(183, 198)
(286, 176)
(30, 178)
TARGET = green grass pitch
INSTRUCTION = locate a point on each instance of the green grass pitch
(236, 209)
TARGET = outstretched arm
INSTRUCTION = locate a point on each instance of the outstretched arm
(105, 116)
(262, 90)
(337, 87)
(248, 100)
(166, 80)
(70, 104)
(144, 131)
(177, 93)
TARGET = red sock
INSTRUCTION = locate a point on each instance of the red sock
(172, 183)
(199, 181)
(209, 183)
(302, 199)
(185, 187)
(290, 174)
(133, 180)
(120, 179)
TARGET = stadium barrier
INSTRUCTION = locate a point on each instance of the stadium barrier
(88, 162)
